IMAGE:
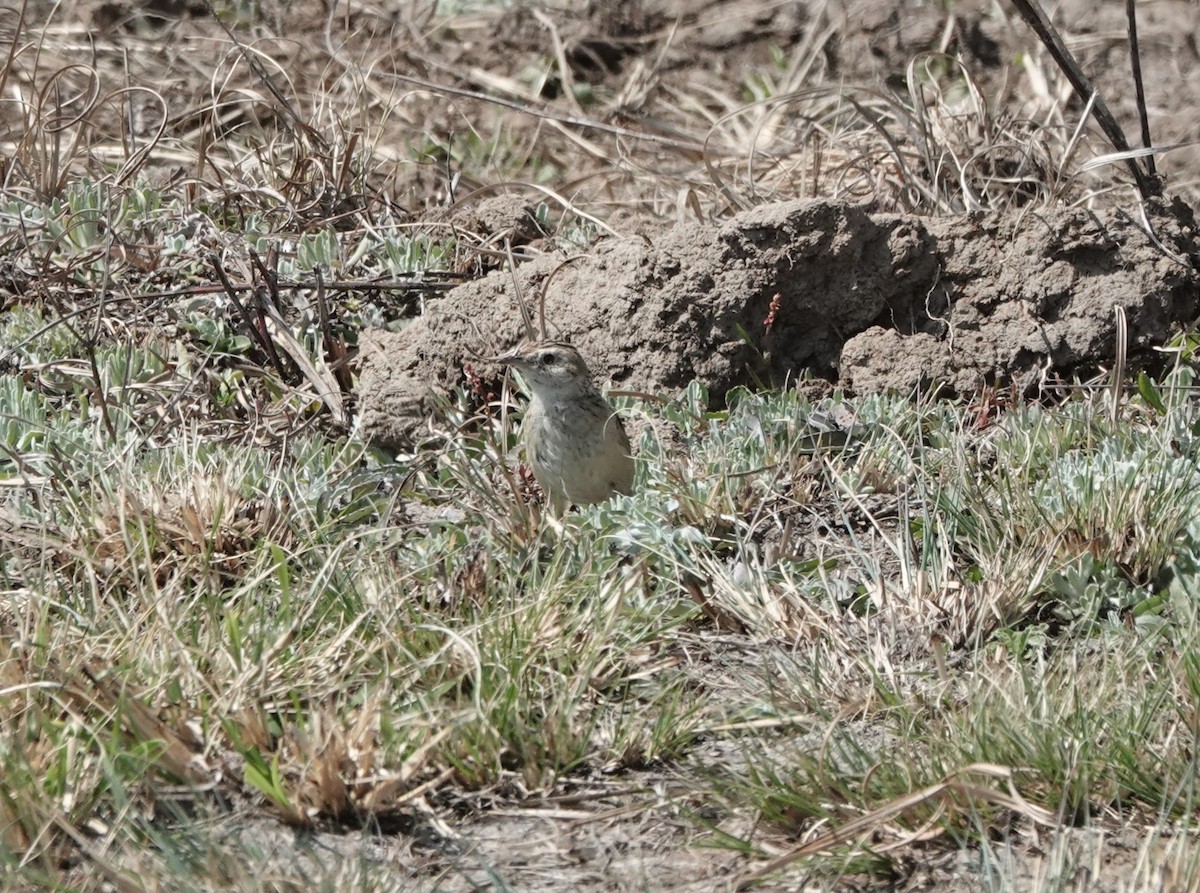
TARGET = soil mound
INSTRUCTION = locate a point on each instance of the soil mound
(873, 301)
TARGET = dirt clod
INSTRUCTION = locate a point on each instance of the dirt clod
(876, 302)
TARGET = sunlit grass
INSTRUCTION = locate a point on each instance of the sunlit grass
(844, 633)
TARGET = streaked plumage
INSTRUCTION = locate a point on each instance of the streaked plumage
(574, 441)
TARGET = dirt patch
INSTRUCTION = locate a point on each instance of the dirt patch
(610, 836)
(877, 302)
(867, 299)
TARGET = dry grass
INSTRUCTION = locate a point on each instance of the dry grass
(945, 625)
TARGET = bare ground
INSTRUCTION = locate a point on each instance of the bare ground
(871, 295)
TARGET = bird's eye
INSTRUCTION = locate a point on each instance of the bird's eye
(549, 359)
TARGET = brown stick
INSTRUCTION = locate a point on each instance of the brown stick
(1135, 60)
(1031, 11)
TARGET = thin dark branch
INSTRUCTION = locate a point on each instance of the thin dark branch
(1135, 60)
(97, 378)
(1031, 11)
(157, 298)
(269, 298)
(323, 313)
(335, 348)
(259, 337)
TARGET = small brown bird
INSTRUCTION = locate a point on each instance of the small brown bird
(574, 441)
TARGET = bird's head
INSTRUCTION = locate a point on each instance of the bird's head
(550, 368)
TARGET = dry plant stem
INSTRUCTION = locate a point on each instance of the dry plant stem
(252, 329)
(1118, 373)
(261, 73)
(560, 56)
(1135, 61)
(611, 129)
(264, 302)
(864, 825)
(6, 69)
(97, 378)
(335, 348)
(136, 158)
(531, 333)
(1034, 16)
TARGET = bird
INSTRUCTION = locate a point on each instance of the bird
(574, 440)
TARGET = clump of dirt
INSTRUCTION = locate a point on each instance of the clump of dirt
(877, 302)
(1021, 300)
